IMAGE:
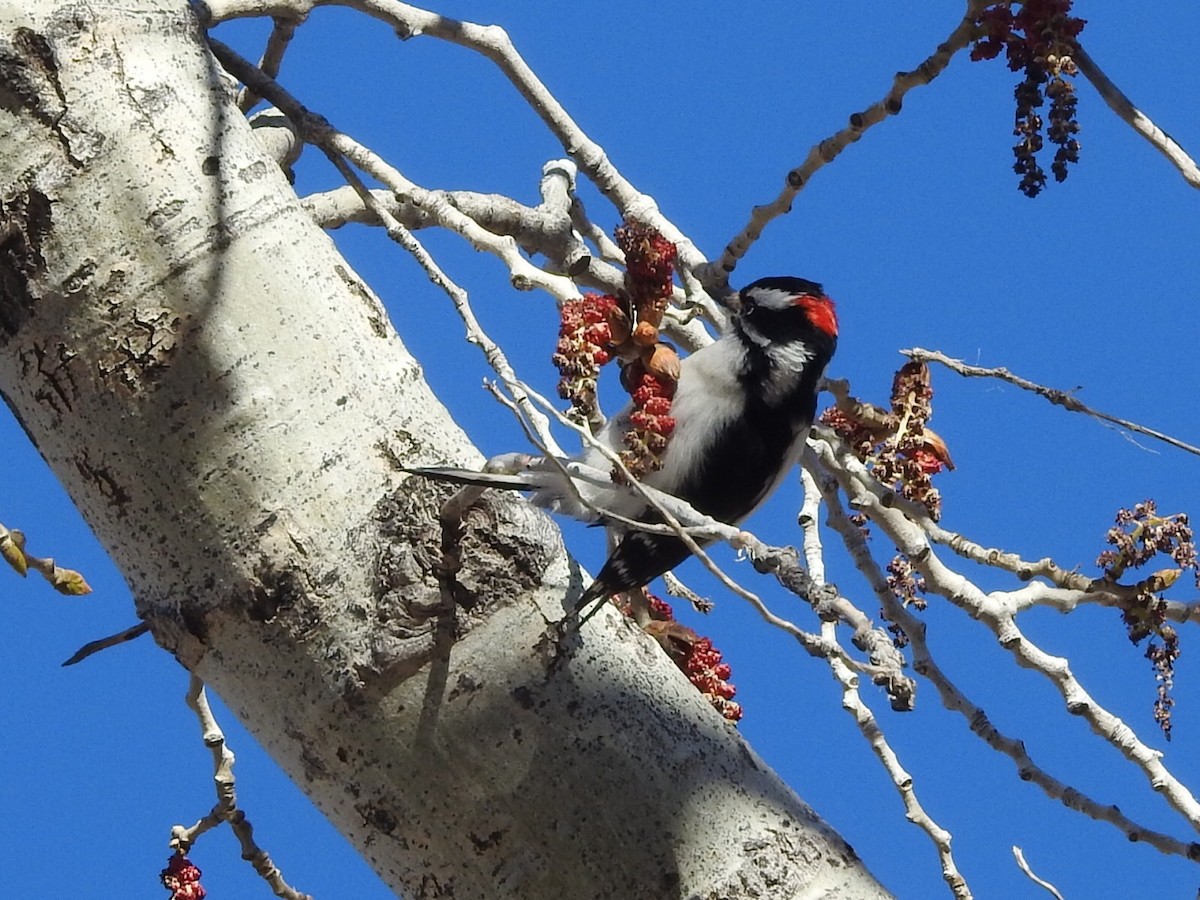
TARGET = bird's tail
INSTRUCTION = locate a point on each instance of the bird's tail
(507, 472)
(496, 480)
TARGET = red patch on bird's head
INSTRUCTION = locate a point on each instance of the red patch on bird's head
(821, 312)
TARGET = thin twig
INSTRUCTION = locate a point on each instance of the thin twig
(866, 635)
(1024, 866)
(676, 588)
(1070, 587)
(492, 42)
(1058, 397)
(318, 131)
(531, 434)
(12, 551)
(1067, 589)
(853, 703)
(277, 44)
(96, 646)
(537, 229)
(903, 781)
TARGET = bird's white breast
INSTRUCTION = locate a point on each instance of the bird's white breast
(707, 399)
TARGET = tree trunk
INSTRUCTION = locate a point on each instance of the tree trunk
(227, 402)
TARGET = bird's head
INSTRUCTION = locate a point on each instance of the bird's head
(782, 309)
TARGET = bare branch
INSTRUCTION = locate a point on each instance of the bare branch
(954, 699)
(524, 275)
(676, 588)
(538, 229)
(277, 44)
(886, 662)
(278, 137)
(497, 213)
(226, 809)
(605, 246)
(336, 144)
(1139, 121)
(494, 43)
(996, 612)
(65, 581)
(1070, 587)
(1058, 397)
(829, 149)
(93, 647)
(1024, 866)
(853, 703)
(903, 781)
(546, 229)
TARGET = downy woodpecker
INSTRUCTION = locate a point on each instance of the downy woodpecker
(742, 408)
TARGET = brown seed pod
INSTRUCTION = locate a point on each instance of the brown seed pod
(663, 362)
(645, 334)
(935, 445)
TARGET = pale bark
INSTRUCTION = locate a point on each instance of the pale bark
(226, 402)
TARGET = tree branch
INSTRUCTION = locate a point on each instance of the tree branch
(227, 809)
(1024, 867)
(494, 43)
(277, 44)
(65, 581)
(853, 703)
(335, 144)
(93, 647)
(954, 699)
(995, 611)
(1137, 120)
(1058, 397)
(829, 149)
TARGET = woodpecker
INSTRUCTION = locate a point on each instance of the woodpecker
(742, 408)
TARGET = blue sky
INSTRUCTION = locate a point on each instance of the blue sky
(919, 233)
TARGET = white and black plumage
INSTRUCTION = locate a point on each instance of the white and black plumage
(742, 410)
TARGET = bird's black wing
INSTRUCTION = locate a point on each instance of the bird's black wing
(640, 558)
